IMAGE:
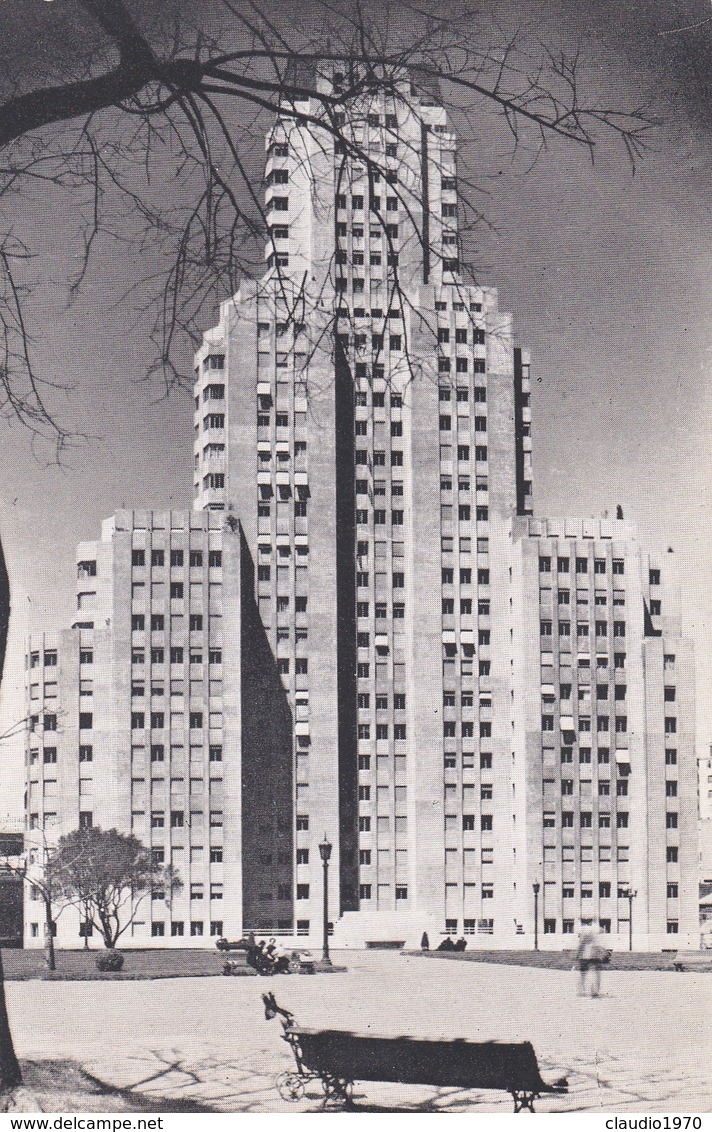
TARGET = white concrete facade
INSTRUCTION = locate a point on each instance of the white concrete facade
(363, 465)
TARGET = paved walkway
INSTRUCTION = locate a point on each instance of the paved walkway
(642, 1047)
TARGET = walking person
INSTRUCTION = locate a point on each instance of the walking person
(588, 963)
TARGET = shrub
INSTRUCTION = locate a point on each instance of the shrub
(110, 960)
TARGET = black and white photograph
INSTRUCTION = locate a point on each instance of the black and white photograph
(355, 560)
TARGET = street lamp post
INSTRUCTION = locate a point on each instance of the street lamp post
(629, 894)
(325, 848)
(535, 889)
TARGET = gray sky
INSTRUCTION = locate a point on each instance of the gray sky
(609, 277)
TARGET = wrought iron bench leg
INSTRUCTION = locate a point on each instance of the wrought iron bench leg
(337, 1090)
(523, 1100)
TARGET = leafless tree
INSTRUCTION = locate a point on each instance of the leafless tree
(150, 118)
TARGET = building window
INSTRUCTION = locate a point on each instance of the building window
(549, 926)
(671, 854)
(177, 928)
(671, 821)
(158, 930)
(672, 927)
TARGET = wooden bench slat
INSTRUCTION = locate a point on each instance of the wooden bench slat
(487, 1065)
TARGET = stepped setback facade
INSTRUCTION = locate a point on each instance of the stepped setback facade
(361, 630)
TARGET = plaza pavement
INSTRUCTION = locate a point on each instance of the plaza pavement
(644, 1046)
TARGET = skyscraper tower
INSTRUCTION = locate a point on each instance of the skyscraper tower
(362, 630)
(366, 415)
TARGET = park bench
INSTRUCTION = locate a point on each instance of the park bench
(338, 1058)
(692, 961)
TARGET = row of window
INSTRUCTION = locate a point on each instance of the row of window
(586, 820)
(382, 731)
(463, 453)
(461, 366)
(358, 285)
(467, 729)
(158, 623)
(176, 557)
(176, 655)
(465, 575)
(357, 199)
(583, 664)
(357, 259)
(391, 230)
(584, 692)
(379, 517)
(301, 666)
(372, 118)
(581, 564)
(563, 597)
(604, 925)
(582, 629)
(468, 760)
(445, 423)
(158, 718)
(568, 854)
(264, 508)
(604, 787)
(364, 823)
(158, 753)
(158, 928)
(584, 723)
(604, 756)
(462, 395)
(365, 892)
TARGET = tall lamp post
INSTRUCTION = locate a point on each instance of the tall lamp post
(325, 848)
(629, 894)
(535, 889)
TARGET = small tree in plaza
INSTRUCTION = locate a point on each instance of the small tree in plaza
(108, 875)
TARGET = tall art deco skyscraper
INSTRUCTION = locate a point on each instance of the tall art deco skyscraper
(382, 490)
(469, 702)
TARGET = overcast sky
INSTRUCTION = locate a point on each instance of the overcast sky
(609, 277)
